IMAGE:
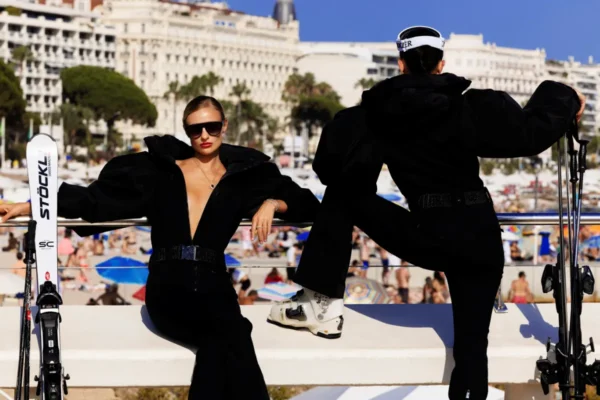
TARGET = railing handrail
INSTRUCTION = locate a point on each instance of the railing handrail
(504, 218)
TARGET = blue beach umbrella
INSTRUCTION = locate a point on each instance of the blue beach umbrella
(232, 261)
(593, 242)
(229, 260)
(115, 269)
(390, 196)
(302, 237)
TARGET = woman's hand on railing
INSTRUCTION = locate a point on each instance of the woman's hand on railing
(263, 220)
(8, 211)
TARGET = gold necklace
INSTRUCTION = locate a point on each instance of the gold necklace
(212, 185)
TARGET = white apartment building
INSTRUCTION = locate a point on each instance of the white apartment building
(342, 65)
(160, 42)
(586, 78)
(515, 71)
(58, 37)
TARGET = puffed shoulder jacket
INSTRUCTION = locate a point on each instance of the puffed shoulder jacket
(150, 184)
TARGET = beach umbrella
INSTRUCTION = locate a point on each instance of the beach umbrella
(140, 294)
(510, 236)
(390, 196)
(123, 270)
(231, 261)
(365, 291)
(278, 291)
(302, 236)
(593, 242)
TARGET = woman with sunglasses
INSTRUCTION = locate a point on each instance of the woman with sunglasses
(194, 198)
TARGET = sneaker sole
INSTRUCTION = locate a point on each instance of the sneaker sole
(302, 328)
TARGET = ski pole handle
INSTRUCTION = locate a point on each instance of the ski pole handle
(30, 238)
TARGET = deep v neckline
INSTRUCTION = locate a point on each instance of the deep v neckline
(191, 237)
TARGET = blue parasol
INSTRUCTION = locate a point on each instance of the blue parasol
(115, 269)
(231, 261)
(278, 291)
(593, 242)
(302, 237)
(390, 196)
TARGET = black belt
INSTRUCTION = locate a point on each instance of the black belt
(435, 200)
(188, 253)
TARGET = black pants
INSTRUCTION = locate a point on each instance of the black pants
(191, 304)
(463, 242)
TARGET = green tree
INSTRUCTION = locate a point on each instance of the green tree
(12, 106)
(20, 55)
(211, 81)
(75, 120)
(110, 95)
(313, 103)
(240, 93)
(365, 83)
(246, 118)
(201, 85)
(175, 93)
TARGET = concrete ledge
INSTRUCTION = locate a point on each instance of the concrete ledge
(381, 345)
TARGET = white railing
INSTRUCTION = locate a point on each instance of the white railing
(503, 218)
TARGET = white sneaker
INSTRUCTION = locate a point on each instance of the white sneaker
(310, 310)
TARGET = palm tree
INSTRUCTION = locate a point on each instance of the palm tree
(175, 93)
(194, 88)
(312, 103)
(240, 91)
(298, 86)
(212, 80)
(365, 83)
(75, 120)
(21, 55)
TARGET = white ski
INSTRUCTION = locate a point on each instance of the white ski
(42, 170)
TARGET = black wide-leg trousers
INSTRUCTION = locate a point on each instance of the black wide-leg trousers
(464, 242)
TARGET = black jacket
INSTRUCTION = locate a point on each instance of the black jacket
(150, 184)
(431, 134)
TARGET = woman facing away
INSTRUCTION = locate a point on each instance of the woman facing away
(430, 132)
(194, 198)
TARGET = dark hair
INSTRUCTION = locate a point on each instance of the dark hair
(423, 59)
(19, 256)
(521, 274)
(201, 102)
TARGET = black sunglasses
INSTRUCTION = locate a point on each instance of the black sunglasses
(213, 128)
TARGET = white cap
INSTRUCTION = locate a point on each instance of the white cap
(418, 41)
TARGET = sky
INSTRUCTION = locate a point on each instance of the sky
(562, 27)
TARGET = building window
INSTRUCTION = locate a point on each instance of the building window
(372, 71)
